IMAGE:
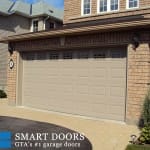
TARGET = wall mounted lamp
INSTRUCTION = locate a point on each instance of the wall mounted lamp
(135, 41)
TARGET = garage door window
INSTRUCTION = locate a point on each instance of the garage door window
(99, 55)
(30, 57)
(54, 56)
(67, 55)
(83, 55)
(116, 54)
(41, 56)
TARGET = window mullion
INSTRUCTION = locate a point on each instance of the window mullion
(108, 5)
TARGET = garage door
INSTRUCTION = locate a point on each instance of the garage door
(88, 83)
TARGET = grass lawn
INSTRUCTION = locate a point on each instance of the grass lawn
(138, 147)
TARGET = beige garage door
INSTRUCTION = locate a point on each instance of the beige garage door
(89, 83)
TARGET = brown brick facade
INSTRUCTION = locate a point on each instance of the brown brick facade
(138, 64)
(12, 79)
(138, 79)
(72, 11)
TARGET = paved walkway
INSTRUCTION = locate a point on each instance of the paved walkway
(104, 135)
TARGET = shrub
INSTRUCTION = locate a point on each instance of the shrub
(137, 147)
(146, 110)
(2, 94)
(145, 135)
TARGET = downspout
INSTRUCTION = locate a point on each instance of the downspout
(45, 21)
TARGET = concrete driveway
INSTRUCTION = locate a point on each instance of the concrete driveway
(103, 135)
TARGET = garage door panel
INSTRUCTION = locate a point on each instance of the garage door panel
(98, 72)
(115, 109)
(97, 81)
(98, 90)
(98, 64)
(82, 89)
(117, 91)
(118, 73)
(91, 84)
(80, 64)
(78, 109)
(113, 100)
(117, 64)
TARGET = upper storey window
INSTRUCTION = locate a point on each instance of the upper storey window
(86, 7)
(34, 25)
(132, 3)
(108, 5)
(114, 5)
(103, 5)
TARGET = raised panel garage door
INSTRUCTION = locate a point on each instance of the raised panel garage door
(88, 83)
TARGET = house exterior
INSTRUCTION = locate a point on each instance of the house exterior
(97, 65)
(15, 20)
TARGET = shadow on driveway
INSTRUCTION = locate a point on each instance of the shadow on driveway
(34, 135)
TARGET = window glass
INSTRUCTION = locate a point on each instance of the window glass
(67, 55)
(86, 7)
(108, 5)
(41, 55)
(29, 56)
(51, 25)
(83, 55)
(114, 5)
(133, 3)
(35, 25)
(99, 55)
(54, 56)
(103, 5)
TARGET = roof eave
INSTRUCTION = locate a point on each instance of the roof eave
(21, 14)
(45, 15)
(77, 30)
(4, 13)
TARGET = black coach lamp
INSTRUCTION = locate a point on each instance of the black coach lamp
(135, 41)
(11, 48)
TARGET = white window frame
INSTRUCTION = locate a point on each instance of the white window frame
(82, 8)
(108, 7)
(127, 5)
(36, 19)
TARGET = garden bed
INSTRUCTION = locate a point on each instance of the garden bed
(138, 147)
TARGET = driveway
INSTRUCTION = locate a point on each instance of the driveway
(42, 136)
(102, 134)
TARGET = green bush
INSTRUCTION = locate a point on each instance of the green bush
(2, 94)
(145, 135)
(143, 141)
(146, 110)
(137, 147)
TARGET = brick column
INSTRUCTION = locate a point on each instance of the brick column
(138, 80)
(12, 79)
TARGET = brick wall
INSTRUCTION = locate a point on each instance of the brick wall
(72, 11)
(138, 80)
(12, 79)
